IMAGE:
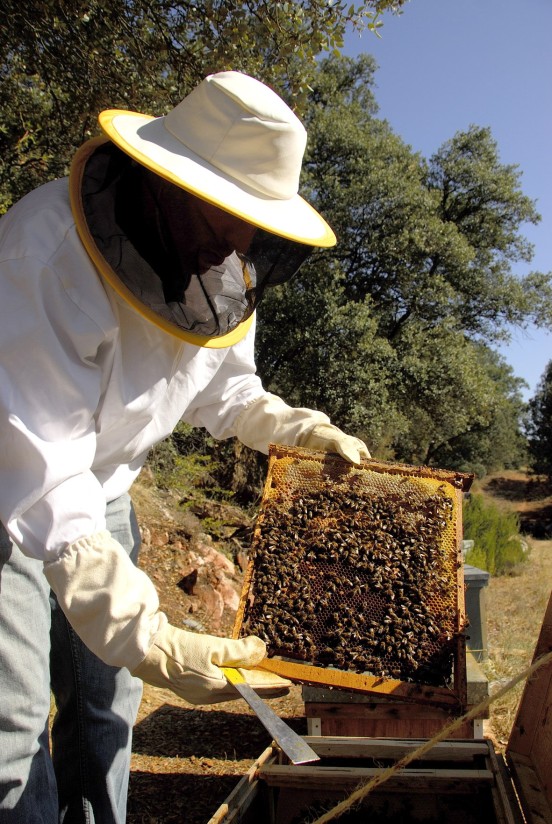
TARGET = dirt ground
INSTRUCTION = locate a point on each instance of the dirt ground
(529, 496)
(187, 759)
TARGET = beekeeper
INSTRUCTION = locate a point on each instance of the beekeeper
(128, 296)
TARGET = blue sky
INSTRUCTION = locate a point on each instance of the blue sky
(445, 64)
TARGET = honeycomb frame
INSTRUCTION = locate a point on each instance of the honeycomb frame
(337, 552)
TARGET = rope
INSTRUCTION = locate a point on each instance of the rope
(361, 793)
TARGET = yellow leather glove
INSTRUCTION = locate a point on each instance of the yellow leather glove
(189, 664)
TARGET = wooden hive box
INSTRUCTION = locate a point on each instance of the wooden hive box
(344, 713)
(458, 782)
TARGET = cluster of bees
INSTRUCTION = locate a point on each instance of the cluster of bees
(358, 582)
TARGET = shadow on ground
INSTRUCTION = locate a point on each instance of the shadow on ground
(522, 489)
(531, 498)
(537, 522)
(162, 798)
(176, 732)
(194, 757)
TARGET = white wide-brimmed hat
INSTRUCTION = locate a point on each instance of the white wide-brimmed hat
(235, 143)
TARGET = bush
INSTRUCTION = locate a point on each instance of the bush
(179, 462)
(498, 545)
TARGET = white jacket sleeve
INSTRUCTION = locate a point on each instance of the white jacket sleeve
(111, 604)
(234, 386)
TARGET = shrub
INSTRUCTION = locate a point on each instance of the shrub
(179, 463)
(498, 546)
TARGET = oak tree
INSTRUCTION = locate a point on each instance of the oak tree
(391, 332)
(539, 425)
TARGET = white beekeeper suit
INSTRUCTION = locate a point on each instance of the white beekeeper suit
(94, 374)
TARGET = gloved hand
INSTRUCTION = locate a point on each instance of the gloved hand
(113, 606)
(270, 420)
(325, 437)
(188, 664)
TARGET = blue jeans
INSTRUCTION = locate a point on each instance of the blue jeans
(85, 780)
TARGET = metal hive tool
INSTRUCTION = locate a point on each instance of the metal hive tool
(355, 578)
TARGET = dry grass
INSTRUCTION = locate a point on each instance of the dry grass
(516, 603)
(516, 607)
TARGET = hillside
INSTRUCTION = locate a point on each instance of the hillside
(186, 759)
(529, 496)
(516, 603)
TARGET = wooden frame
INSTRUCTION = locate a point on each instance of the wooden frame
(452, 699)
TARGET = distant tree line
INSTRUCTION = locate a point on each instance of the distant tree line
(539, 426)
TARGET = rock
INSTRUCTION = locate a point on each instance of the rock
(211, 601)
(196, 626)
(230, 597)
(217, 560)
(188, 581)
(242, 559)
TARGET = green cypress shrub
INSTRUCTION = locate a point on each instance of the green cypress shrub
(498, 546)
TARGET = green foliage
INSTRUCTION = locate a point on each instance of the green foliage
(498, 546)
(482, 199)
(390, 332)
(485, 435)
(327, 355)
(63, 61)
(194, 466)
(539, 425)
(180, 463)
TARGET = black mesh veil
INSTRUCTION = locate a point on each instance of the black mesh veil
(209, 303)
(275, 259)
(272, 260)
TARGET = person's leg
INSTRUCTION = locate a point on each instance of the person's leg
(27, 784)
(96, 710)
